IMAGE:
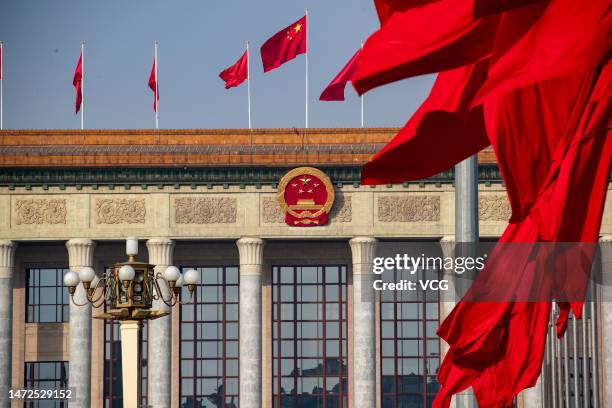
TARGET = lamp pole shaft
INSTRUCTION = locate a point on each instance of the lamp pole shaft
(131, 362)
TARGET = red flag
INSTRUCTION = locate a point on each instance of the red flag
(547, 115)
(285, 45)
(434, 37)
(335, 89)
(567, 38)
(153, 84)
(0, 62)
(76, 81)
(237, 73)
(444, 119)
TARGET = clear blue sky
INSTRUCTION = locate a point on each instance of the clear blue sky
(197, 39)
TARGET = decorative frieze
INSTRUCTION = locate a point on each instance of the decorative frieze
(41, 211)
(205, 210)
(271, 211)
(120, 211)
(402, 208)
(494, 208)
(343, 209)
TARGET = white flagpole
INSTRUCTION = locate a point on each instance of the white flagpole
(307, 30)
(156, 89)
(362, 125)
(249, 81)
(1, 85)
(362, 97)
(82, 82)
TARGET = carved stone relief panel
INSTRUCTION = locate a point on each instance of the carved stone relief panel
(403, 208)
(494, 207)
(205, 210)
(120, 211)
(40, 211)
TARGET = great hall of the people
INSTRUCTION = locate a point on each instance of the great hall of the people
(277, 319)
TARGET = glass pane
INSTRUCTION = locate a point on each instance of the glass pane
(332, 274)
(308, 274)
(307, 311)
(231, 276)
(231, 294)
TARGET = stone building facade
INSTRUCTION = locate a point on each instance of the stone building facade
(277, 319)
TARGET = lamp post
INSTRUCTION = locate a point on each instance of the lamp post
(128, 289)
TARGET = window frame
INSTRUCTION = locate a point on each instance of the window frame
(224, 321)
(32, 302)
(31, 382)
(422, 319)
(277, 338)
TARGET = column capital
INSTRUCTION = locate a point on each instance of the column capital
(80, 252)
(160, 250)
(363, 249)
(7, 256)
(250, 250)
(447, 238)
(605, 238)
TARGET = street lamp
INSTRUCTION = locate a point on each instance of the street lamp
(129, 289)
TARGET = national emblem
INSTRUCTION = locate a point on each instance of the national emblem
(306, 195)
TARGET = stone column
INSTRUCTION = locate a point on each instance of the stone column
(80, 254)
(466, 200)
(251, 268)
(160, 331)
(605, 243)
(364, 323)
(532, 397)
(447, 297)
(7, 267)
(466, 230)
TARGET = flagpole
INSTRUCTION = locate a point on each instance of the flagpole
(362, 111)
(249, 81)
(156, 90)
(307, 30)
(362, 96)
(82, 82)
(1, 84)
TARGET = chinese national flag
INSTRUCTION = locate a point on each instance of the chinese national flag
(285, 45)
(153, 84)
(335, 89)
(76, 81)
(237, 73)
(0, 63)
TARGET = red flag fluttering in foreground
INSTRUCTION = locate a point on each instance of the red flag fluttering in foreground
(237, 73)
(153, 84)
(76, 81)
(532, 78)
(285, 45)
(335, 90)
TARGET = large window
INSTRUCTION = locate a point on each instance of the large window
(309, 336)
(46, 296)
(48, 375)
(113, 384)
(209, 341)
(409, 346)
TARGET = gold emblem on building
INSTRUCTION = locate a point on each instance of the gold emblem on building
(306, 195)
